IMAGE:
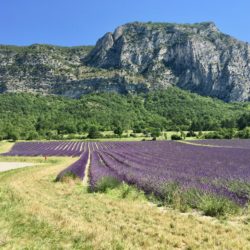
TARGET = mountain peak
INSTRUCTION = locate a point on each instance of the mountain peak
(195, 27)
(195, 56)
(136, 57)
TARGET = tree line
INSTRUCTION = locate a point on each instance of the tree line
(31, 116)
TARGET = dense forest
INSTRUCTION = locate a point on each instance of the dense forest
(29, 116)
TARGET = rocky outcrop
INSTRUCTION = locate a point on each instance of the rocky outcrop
(196, 57)
(37, 68)
(136, 57)
(50, 69)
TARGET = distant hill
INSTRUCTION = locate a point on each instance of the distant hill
(29, 116)
(136, 58)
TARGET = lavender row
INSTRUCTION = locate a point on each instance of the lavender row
(77, 168)
(99, 170)
(62, 148)
(151, 164)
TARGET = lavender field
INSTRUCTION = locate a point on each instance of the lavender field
(222, 171)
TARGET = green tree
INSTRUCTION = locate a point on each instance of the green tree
(94, 133)
(243, 121)
(118, 131)
(32, 135)
(12, 135)
(156, 132)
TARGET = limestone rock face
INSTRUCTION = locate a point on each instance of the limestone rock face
(136, 57)
(196, 57)
(56, 70)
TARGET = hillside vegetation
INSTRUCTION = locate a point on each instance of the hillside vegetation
(28, 116)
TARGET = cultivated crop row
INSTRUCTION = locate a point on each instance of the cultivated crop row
(223, 171)
(77, 169)
(55, 148)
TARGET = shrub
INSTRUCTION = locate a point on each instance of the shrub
(33, 135)
(244, 134)
(216, 206)
(173, 195)
(155, 132)
(132, 135)
(191, 133)
(130, 192)
(169, 193)
(137, 129)
(118, 131)
(221, 134)
(209, 204)
(200, 134)
(94, 133)
(106, 183)
(68, 177)
(176, 137)
(12, 135)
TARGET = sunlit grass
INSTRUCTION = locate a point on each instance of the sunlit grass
(5, 146)
(38, 213)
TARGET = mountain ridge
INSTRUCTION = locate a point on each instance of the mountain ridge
(196, 57)
(136, 57)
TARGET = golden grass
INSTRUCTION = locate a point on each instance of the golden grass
(5, 146)
(38, 213)
(200, 145)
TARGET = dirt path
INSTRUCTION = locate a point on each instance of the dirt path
(5, 166)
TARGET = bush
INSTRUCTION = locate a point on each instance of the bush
(213, 135)
(12, 135)
(176, 137)
(94, 133)
(210, 204)
(155, 132)
(118, 131)
(69, 177)
(132, 135)
(221, 134)
(200, 134)
(33, 135)
(216, 206)
(130, 192)
(191, 133)
(244, 134)
(137, 129)
(173, 195)
(169, 192)
(106, 183)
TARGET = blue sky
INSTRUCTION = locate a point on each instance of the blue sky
(82, 22)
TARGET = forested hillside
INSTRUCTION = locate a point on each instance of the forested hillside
(29, 116)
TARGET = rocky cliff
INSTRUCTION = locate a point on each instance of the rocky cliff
(137, 57)
(196, 57)
(58, 70)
